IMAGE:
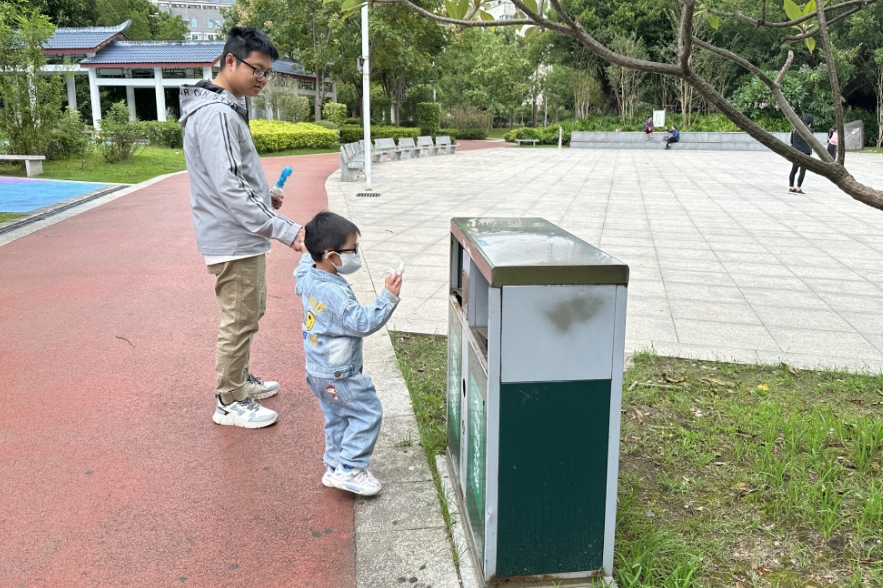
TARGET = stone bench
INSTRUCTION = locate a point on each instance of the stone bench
(443, 145)
(352, 161)
(691, 141)
(426, 146)
(533, 141)
(33, 163)
(408, 148)
(384, 146)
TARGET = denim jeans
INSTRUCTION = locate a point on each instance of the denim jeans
(241, 289)
(352, 418)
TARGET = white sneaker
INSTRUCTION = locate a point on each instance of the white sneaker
(326, 477)
(357, 481)
(260, 389)
(243, 413)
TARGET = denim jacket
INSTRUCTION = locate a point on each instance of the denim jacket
(335, 322)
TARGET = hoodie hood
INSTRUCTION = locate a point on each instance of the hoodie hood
(807, 119)
(205, 93)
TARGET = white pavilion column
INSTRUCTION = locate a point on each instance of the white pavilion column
(207, 73)
(72, 92)
(160, 95)
(130, 100)
(94, 97)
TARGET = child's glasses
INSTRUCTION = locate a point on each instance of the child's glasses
(355, 249)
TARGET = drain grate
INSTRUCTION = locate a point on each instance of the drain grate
(367, 194)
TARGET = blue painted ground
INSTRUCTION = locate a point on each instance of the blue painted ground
(27, 194)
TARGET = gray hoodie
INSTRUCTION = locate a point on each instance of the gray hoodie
(229, 193)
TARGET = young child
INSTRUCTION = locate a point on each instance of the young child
(333, 328)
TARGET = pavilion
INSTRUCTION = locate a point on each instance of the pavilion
(109, 58)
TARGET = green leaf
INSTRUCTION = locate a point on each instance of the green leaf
(530, 31)
(809, 7)
(810, 43)
(451, 9)
(464, 8)
(714, 21)
(351, 5)
(792, 10)
(531, 5)
(484, 15)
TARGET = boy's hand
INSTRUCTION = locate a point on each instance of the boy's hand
(393, 283)
(298, 243)
(276, 197)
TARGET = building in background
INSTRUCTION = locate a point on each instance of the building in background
(203, 18)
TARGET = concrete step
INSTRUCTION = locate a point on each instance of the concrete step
(689, 141)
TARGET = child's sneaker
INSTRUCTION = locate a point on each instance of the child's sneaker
(243, 413)
(326, 477)
(357, 481)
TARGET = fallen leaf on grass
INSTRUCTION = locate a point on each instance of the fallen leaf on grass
(671, 380)
(762, 570)
(744, 434)
(791, 369)
(717, 382)
(639, 415)
(632, 387)
(763, 386)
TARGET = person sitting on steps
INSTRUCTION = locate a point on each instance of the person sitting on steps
(673, 137)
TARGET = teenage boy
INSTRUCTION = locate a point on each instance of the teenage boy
(334, 324)
(233, 216)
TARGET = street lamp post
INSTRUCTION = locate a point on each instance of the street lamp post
(366, 96)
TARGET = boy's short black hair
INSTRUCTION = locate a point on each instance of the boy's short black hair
(242, 41)
(327, 232)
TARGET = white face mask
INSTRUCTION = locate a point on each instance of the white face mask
(350, 263)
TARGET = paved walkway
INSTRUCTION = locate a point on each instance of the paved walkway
(111, 470)
(725, 263)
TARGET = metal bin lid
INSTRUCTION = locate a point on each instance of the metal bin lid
(534, 252)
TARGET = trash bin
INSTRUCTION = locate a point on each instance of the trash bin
(535, 360)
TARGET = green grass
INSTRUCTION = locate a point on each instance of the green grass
(149, 163)
(5, 216)
(497, 133)
(872, 150)
(746, 475)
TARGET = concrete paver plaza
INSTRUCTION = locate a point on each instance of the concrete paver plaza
(725, 263)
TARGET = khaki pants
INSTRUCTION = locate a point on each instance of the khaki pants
(241, 289)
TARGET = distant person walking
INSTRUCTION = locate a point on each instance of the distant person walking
(673, 137)
(833, 140)
(798, 143)
(648, 128)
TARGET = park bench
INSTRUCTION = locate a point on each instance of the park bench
(352, 161)
(520, 141)
(33, 163)
(408, 148)
(443, 144)
(375, 156)
(426, 146)
(384, 146)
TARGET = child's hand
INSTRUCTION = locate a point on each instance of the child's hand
(298, 243)
(393, 283)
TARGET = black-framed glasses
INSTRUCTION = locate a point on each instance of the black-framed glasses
(355, 250)
(258, 73)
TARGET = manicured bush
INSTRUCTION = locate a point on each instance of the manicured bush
(334, 112)
(429, 117)
(352, 133)
(352, 121)
(276, 135)
(69, 138)
(164, 133)
(119, 137)
(465, 134)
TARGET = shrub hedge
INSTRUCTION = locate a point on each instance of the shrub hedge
(276, 135)
(464, 134)
(429, 117)
(334, 112)
(353, 133)
(163, 134)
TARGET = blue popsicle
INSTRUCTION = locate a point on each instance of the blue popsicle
(286, 171)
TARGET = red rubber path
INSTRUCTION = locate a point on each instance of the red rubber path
(112, 472)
